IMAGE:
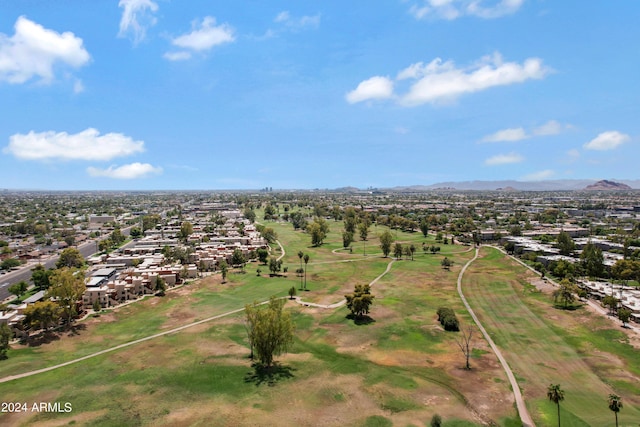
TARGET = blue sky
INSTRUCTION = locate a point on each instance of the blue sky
(167, 94)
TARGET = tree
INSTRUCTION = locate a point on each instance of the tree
(161, 286)
(624, 314)
(363, 229)
(424, 227)
(298, 220)
(18, 289)
(300, 270)
(70, 258)
(292, 292)
(592, 260)
(464, 342)
(10, 263)
(360, 300)
(117, 237)
(42, 315)
(615, 404)
(306, 261)
(318, 230)
(270, 330)
(5, 337)
(565, 243)
(412, 250)
(135, 233)
(436, 421)
(556, 395)
(185, 230)
(263, 255)
(386, 240)
(275, 266)
(446, 263)
(67, 287)
(224, 268)
(238, 258)
(250, 214)
(566, 292)
(397, 251)
(347, 239)
(269, 234)
(611, 302)
(40, 277)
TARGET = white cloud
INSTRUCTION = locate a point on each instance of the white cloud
(573, 155)
(85, 145)
(177, 56)
(506, 135)
(441, 81)
(539, 176)
(504, 159)
(607, 141)
(130, 171)
(552, 127)
(377, 87)
(294, 23)
(203, 36)
(137, 16)
(452, 9)
(33, 51)
(78, 87)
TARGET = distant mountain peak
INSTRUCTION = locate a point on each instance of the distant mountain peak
(605, 184)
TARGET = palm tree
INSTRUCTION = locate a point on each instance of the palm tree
(306, 261)
(300, 255)
(615, 404)
(556, 395)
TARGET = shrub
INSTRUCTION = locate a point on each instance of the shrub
(448, 319)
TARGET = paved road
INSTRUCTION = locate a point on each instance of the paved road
(523, 412)
(86, 249)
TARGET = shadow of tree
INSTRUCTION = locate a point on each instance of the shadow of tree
(42, 338)
(361, 320)
(76, 328)
(270, 375)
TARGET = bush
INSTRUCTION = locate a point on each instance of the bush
(448, 319)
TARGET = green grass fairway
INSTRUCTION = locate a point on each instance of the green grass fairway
(544, 345)
(398, 369)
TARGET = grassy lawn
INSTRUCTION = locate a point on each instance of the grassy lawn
(398, 369)
(546, 345)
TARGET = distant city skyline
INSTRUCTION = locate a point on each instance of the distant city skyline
(167, 95)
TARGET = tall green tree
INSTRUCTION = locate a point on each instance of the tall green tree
(270, 330)
(67, 287)
(42, 314)
(386, 240)
(360, 300)
(186, 229)
(424, 227)
(18, 289)
(300, 256)
(306, 262)
(238, 258)
(263, 255)
(556, 395)
(566, 292)
(615, 404)
(397, 251)
(318, 230)
(5, 337)
(347, 239)
(224, 269)
(70, 258)
(565, 243)
(592, 260)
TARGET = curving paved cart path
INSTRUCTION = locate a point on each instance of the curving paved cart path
(523, 412)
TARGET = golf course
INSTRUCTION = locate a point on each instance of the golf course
(183, 359)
